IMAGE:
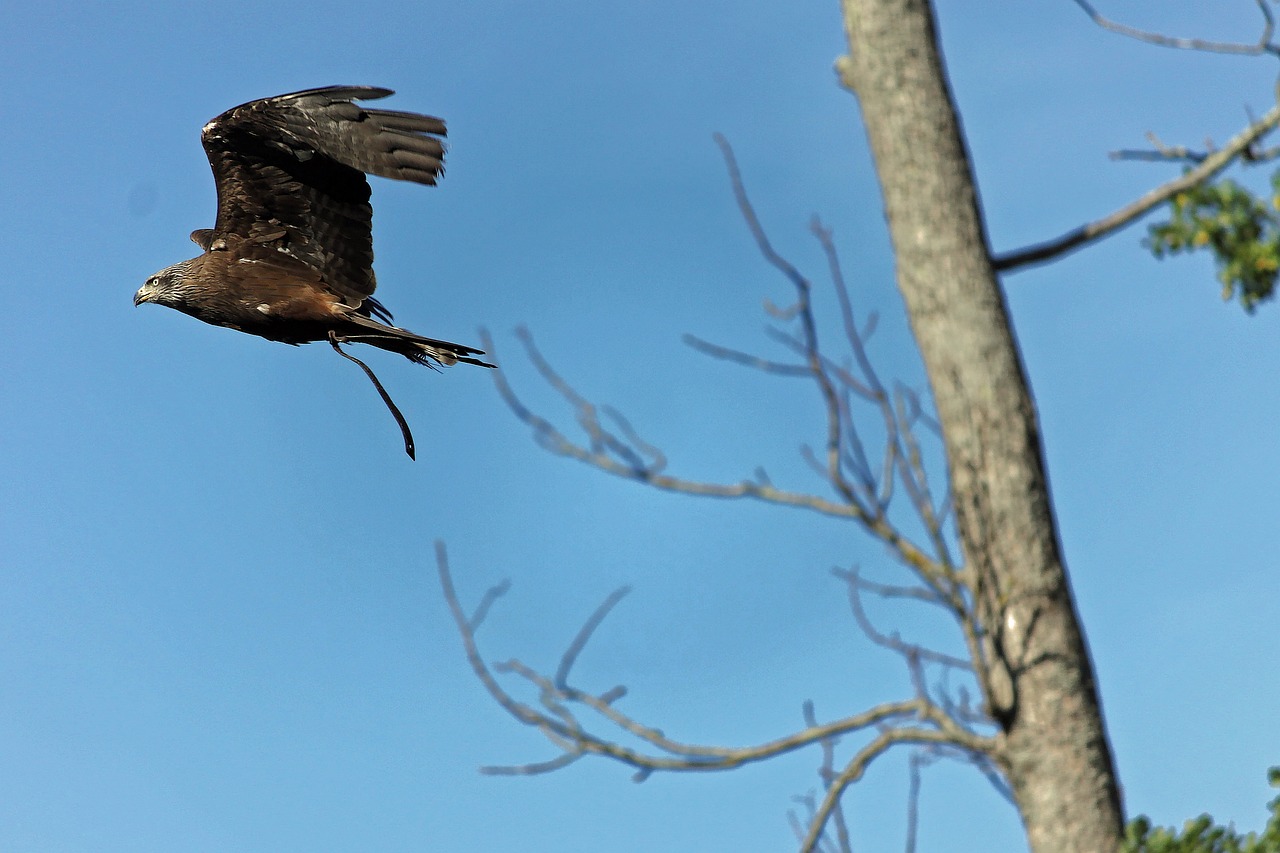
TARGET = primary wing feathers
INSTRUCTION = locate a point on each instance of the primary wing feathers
(290, 177)
(389, 144)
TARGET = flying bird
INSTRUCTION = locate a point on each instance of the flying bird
(290, 255)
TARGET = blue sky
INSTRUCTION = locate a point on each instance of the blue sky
(221, 624)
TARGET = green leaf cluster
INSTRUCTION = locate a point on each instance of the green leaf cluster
(1202, 836)
(1241, 230)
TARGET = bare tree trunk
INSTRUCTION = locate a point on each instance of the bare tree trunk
(1036, 675)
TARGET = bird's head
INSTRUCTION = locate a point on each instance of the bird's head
(164, 288)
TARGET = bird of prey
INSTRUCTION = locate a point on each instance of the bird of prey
(290, 256)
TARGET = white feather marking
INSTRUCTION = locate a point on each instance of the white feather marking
(264, 308)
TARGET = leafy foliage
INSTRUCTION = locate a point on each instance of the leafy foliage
(1202, 836)
(1241, 230)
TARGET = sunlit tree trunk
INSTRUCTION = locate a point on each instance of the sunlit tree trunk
(1035, 671)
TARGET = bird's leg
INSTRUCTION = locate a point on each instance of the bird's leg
(334, 340)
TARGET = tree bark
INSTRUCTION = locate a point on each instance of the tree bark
(1036, 674)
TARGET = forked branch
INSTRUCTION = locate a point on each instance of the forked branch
(919, 720)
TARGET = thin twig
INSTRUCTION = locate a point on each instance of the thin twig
(913, 800)
(1162, 152)
(584, 636)
(1262, 45)
(917, 593)
(851, 332)
(599, 436)
(1182, 154)
(827, 773)
(521, 712)
(870, 386)
(628, 432)
(533, 768)
(746, 359)
(796, 827)
(753, 222)
(911, 469)
(910, 651)
(491, 595)
(856, 767)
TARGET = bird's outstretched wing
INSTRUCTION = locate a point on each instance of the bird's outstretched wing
(290, 173)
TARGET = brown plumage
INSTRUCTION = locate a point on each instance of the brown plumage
(290, 256)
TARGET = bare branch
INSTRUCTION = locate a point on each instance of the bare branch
(911, 470)
(633, 468)
(567, 716)
(856, 767)
(1182, 154)
(918, 593)
(560, 726)
(491, 595)
(815, 361)
(600, 437)
(795, 825)
(828, 774)
(784, 315)
(870, 386)
(521, 712)
(1261, 155)
(989, 771)
(628, 432)
(917, 414)
(902, 451)
(846, 378)
(854, 457)
(584, 635)
(745, 359)
(1130, 213)
(1261, 46)
(1162, 152)
(533, 769)
(869, 329)
(914, 763)
(893, 642)
(753, 222)
(854, 337)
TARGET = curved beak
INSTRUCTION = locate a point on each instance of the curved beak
(143, 295)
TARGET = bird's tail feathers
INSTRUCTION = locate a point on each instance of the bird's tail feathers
(425, 351)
